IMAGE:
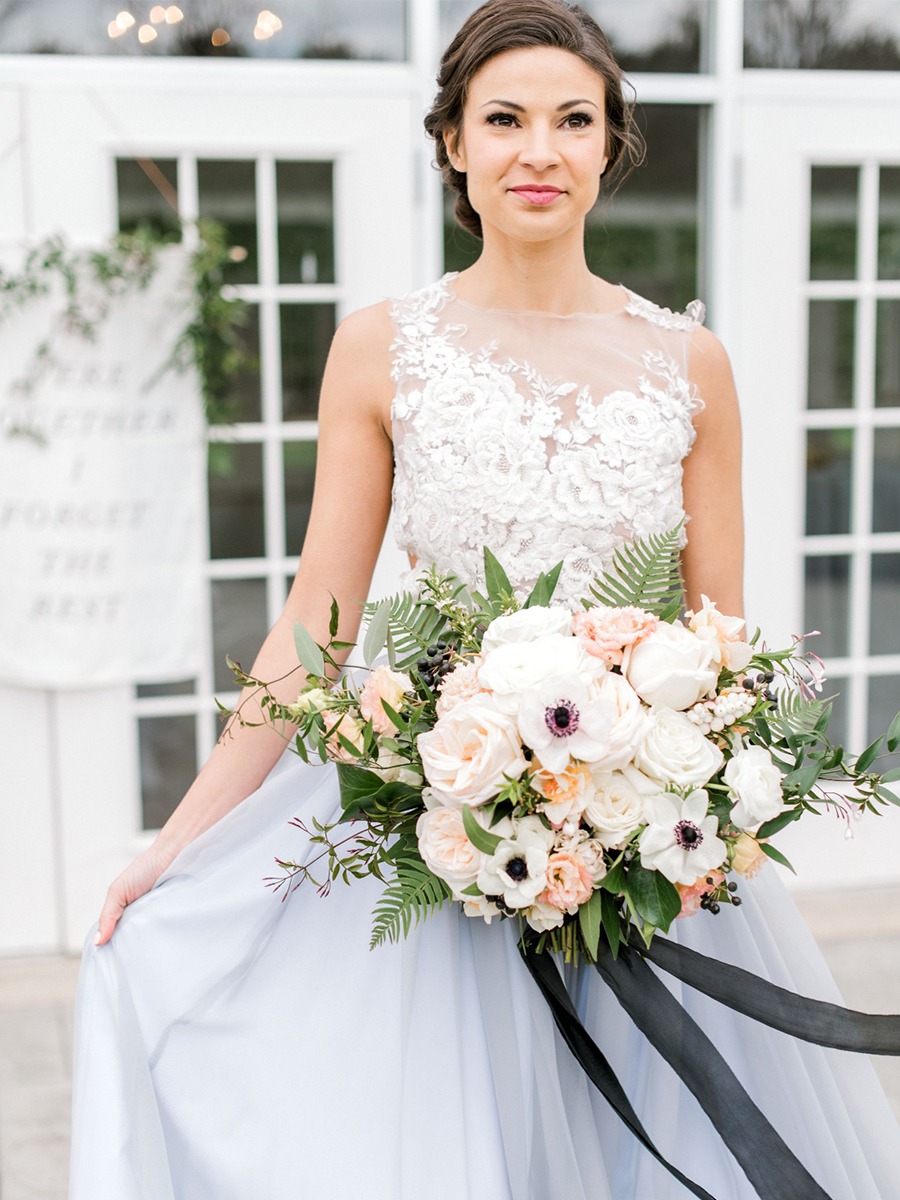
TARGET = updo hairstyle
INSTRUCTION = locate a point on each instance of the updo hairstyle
(501, 25)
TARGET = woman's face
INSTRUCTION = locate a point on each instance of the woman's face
(533, 142)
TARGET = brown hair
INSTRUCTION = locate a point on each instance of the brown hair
(501, 25)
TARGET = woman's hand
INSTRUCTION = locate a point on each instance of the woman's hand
(136, 880)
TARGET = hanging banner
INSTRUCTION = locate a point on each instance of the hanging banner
(102, 510)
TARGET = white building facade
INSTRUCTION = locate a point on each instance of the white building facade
(772, 191)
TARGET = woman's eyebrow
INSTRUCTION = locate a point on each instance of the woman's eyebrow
(520, 108)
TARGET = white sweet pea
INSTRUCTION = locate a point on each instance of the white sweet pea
(526, 625)
(517, 870)
(754, 784)
(723, 634)
(560, 721)
(671, 667)
(470, 752)
(676, 752)
(681, 840)
(513, 667)
(616, 809)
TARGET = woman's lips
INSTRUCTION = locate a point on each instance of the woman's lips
(535, 194)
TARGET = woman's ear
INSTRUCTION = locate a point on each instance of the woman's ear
(453, 146)
(604, 164)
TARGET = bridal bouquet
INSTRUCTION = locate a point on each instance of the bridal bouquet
(589, 774)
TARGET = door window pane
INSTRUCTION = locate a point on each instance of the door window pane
(852, 35)
(147, 192)
(367, 29)
(243, 398)
(827, 600)
(834, 198)
(884, 628)
(828, 480)
(228, 194)
(168, 755)
(887, 355)
(236, 527)
(884, 703)
(832, 334)
(889, 223)
(838, 726)
(239, 626)
(886, 482)
(305, 222)
(306, 333)
(299, 473)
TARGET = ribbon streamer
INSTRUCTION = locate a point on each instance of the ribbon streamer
(770, 1165)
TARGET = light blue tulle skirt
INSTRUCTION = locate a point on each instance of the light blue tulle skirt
(231, 1046)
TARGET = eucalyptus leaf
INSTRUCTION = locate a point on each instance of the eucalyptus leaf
(893, 734)
(868, 756)
(590, 920)
(308, 651)
(495, 578)
(891, 776)
(480, 838)
(334, 618)
(769, 828)
(612, 925)
(376, 634)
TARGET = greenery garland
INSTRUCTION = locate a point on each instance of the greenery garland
(93, 280)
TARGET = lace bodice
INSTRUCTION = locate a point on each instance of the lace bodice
(543, 437)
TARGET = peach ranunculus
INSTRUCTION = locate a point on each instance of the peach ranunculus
(565, 794)
(692, 893)
(470, 752)
(459, 684)
(569, 882)
(383, 684)
(605, 632)
(749, 857)
(723, 633)
(348, 726)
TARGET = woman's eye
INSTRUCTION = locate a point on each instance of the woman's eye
(579, 120)
(504, 119)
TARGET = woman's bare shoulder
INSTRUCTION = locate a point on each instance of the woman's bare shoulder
(367, 330)
(358, 373)
(709, 368)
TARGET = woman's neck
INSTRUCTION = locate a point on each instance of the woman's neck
(538, 277)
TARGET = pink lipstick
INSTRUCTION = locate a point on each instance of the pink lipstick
(537, 193)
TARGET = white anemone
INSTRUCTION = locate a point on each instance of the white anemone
(681, 840)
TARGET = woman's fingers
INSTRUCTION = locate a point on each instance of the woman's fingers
(112, 909)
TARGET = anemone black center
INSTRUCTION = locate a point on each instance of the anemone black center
(688, 835)
(517, 869)
(562, 716)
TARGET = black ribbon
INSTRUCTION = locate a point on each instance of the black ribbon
(767, 1161)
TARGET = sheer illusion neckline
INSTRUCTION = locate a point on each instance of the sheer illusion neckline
(452, 294)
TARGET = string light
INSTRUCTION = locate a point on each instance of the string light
(114, 30)
(267, 24)
(157, 14)
(174, 15)
(220, 37)
(124, 20)
(146, 34)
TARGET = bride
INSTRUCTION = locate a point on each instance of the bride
(231, 1046)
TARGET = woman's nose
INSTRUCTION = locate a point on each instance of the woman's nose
(538, 150)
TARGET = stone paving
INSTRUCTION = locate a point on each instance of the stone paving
(859, 932)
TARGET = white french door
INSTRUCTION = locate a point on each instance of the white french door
(819, 367)
(308, 166)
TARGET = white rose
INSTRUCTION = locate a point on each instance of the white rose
(723, 633)
(754, 783)
(514, 667)
(675, 751)
(630, 722)
(671, 667)
(526, 625)
(469, 752)
(616, 809)
(314, 700)
(445, 848)
(542, 917)
(392, 767)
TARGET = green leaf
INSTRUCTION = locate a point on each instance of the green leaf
(614, 879)
(803, 777)
(413, 896)
(544, 587)
(775, 855)
(376, 634)
(654, 898)
(357, 787)
(645, 572)
(308, 651)
(334, 618)
(480, 838)
(769, 828)
(893, 734)
(590, 921)
(886, 794)
(612, 924)
(495, 578)
(868, 756)
(891, 776)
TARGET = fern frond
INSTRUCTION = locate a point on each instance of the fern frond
(412, 627)
(796, 714)
(645, 573)
(414, 895)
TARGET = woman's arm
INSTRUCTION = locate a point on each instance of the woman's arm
(350, 508)
(713, 560)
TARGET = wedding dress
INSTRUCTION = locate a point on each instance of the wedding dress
(231, 1046)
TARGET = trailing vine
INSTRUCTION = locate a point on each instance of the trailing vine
(92, 281)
